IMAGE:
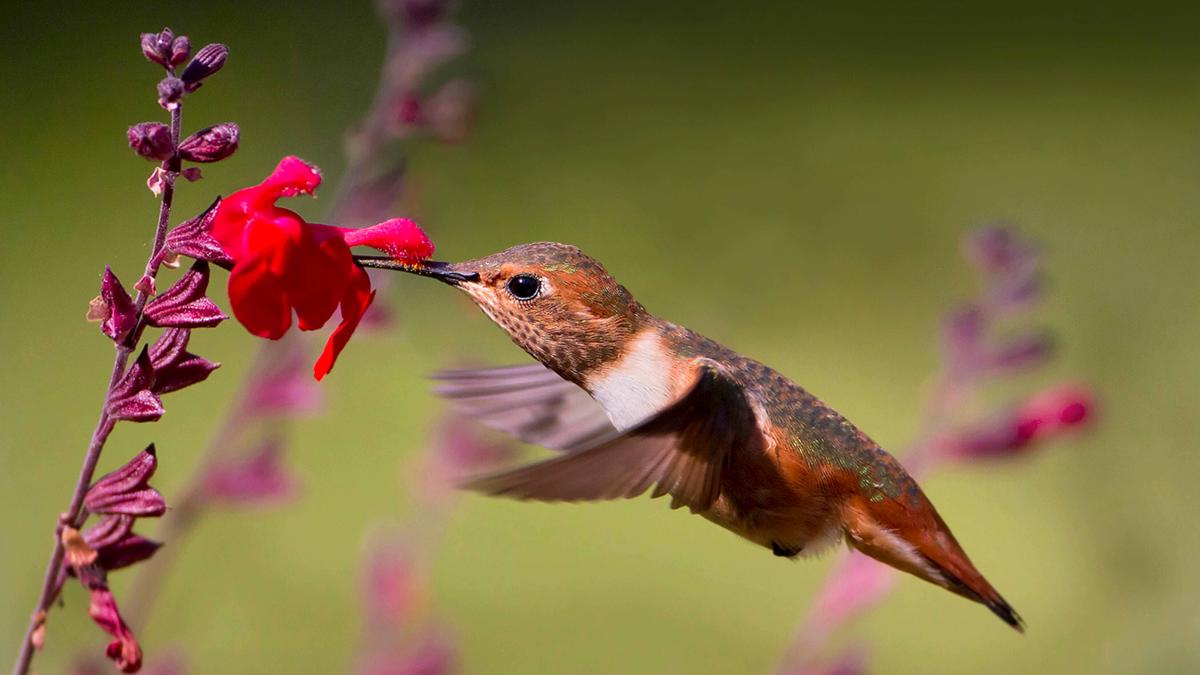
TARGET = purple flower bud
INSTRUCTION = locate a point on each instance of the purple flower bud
(156, 47)
(150, 49)
(257, 479)
(127, 551)
(181, 48)
(192, 174)
(1023, 351)
(1017, 294)
(212, 144)
(116, 310)
(170, 92)
(127, 490)
(962, 335)
(108, 531)
(124, 650)
(999, 249)
(132, 398)
(166, 37)
(208, 60)
(184, 304)
(151, 140)
(174, 366)
(194, 239)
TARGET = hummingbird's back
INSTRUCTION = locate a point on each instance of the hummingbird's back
(817, 477)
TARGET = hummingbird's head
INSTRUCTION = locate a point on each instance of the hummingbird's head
(556, 303)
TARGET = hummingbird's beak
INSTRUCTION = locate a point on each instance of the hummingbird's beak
(442, 271)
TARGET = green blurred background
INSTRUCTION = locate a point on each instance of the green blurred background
(791, 179)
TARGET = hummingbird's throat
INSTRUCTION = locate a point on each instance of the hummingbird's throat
(643, 380)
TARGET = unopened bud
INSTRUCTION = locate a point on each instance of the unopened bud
(156, 47)
(208, 60)
(181, 48)
(151, 140)
(150, 49)
(212, 144)
(170, 91)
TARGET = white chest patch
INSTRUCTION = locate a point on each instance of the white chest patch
(639, 385)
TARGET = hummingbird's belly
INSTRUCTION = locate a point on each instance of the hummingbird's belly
(759, 503)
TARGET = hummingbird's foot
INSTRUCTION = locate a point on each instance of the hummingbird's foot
(785, 552)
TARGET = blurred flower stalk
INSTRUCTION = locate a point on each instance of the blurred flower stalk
(402, 633)
(136, 384)
(243, 465)
(978, 347)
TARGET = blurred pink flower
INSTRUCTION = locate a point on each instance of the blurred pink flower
(281, 385)
(855, 585)
(460, 451)
(851, 661)
(390, 588)
(257, 478)
(430, 654)
(1016, 431)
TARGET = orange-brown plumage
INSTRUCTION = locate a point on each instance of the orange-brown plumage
(640, 404)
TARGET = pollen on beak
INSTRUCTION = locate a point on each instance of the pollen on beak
(442, 271)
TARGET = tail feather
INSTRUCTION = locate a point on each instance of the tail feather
(925, 548)
(982, 592)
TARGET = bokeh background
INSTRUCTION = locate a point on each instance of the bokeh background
(789, 178)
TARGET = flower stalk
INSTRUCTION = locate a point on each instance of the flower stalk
(131, 394)
(421, 37)
(74, 515)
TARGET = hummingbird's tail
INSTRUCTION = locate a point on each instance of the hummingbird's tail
(921, 544)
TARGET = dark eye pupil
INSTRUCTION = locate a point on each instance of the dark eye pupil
(524, 287)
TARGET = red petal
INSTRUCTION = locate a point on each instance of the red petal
(292, 176)
(257, 298)
(317, 280)
(355, 303)
(400, 238)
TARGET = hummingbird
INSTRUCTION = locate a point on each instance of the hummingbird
(636, 403)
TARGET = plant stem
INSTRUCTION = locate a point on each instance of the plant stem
(364, 150)
(75, 513)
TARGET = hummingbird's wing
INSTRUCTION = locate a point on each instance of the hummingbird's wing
(681, 451)
(530, 402)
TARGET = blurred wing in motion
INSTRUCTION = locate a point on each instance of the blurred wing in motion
(681, 451)
(530, 402)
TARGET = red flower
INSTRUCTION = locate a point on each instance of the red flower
(283, 264)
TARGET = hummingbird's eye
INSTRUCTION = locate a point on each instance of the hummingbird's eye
(524, 286)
